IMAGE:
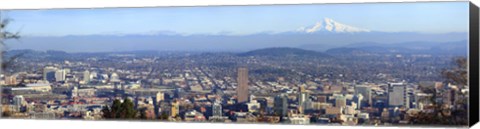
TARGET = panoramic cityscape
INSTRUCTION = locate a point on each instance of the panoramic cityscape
(196, 68)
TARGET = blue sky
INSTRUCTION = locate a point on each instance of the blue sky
(440, 17)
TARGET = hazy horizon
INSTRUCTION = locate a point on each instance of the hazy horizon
(237, 28)
(431, 17)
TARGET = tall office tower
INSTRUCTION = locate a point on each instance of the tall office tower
(49, 73)
(114, 77)
(74, 92)
(217, 108)
(397, 95)
(358, 99)
(385, 115)
(160, 96)
(341, 101)
(175, 109)
(422, 99)
(366, 92)
(242, 88)
(18, 101)
(60, 75)
(93, 75)
(67, 70)
(303, 99)
(302, 89)
(280, 103)
(449, 96)
(86, 76)
(11, 80)
(253, 105)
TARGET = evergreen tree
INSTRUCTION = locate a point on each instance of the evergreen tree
(119, 110)
(143, 113)
(6, 35)
(441, 115)
(6, 62)
(127, 110)
(164, 116)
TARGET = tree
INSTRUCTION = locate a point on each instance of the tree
(147, 113)
(440, 114)
(6, 112)
(127, 110)
(143, 113)
(119, 110)
(6, 35)
(112, 111)
(459, 74)
(164, 116)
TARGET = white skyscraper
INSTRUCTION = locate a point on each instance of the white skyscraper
(217, 108)
(49, 73)
(397, 95)
(358, 100)
(303, 99)
(253, 105)
(60, 75)
(366, 92)
(86, 76)
(340, 101)
(114, 77)
(18, 101)
(74, 92)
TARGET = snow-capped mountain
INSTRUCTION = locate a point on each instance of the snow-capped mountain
(322, 36)
(331, 26)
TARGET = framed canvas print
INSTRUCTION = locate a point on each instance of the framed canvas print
(410, 64)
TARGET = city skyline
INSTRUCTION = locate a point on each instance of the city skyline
(334, 64)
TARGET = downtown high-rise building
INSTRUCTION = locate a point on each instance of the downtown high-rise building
(358, 98)
(242, 88)
(340, 101)
(11, 80)
(60, 75)
(303, 99)
(114, 77)
(217, 108)
(160, 96)
(86, 76)
(18, 101)
(421, 100)
(175, 108)
(49, 73)
(366, 93)
(397, 95)
(281, 105)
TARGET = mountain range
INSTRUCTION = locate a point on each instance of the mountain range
(320, 36)
(284, 52)
(459, 48)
